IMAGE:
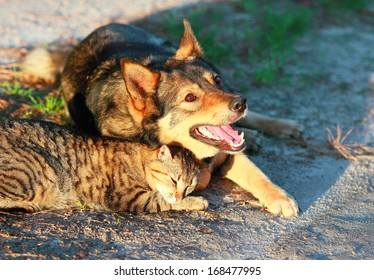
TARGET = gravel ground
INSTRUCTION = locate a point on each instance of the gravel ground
(329, 85)
(32, 22)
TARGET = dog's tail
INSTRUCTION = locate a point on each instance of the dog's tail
(46, 63)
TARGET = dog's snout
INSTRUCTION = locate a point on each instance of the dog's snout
(239, 104)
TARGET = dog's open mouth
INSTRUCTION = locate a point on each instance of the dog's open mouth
(225, 137)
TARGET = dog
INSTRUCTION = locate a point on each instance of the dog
(122, 81)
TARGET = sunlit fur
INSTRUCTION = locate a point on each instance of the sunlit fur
(45, 166)
(106, 96)
(210, 108)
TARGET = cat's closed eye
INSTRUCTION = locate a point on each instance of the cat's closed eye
(188, 190)
(173, 181)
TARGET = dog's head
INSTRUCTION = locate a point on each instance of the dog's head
(197, 108)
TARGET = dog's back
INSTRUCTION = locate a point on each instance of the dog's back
(107, 42)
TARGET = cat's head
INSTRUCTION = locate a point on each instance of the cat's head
(173, 172)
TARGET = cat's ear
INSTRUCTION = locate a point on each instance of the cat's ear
(164, 153)
(189, 46)
(140, 81)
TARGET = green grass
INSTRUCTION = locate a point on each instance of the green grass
(49, 105)
(16, 89)
(273, 28)
(278, 27)
(280, 24)
(268, 71)
(333, 7)
(81, 206)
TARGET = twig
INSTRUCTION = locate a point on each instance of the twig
(352, 151)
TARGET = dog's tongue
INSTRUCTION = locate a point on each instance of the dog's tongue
(224, 133)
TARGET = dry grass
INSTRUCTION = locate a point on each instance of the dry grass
(11, 72)
(7, 71)
(352, 151)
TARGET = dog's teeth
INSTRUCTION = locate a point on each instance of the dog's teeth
(241, 135)
(215, 137)
(237, 145)
(210, 135)
(207, 133)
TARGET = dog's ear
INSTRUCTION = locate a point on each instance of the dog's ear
(189, 46)
(140, 82)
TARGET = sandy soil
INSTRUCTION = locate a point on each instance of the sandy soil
(329, 85)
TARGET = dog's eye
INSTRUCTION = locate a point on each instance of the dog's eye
(217, 79)
(190, 97)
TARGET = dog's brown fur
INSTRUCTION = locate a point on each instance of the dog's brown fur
(124, 82)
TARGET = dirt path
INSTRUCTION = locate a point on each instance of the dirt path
(329, 73)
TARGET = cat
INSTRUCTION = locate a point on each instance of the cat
(46, 166)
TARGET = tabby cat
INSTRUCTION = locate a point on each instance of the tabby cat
(45, 166)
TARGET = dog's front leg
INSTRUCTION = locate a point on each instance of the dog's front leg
(248, 176)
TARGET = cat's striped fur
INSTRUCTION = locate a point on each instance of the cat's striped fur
(46, 166)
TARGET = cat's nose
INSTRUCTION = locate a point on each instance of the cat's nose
(179, 196)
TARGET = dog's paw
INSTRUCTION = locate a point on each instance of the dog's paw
(283, 206)
(289, 129)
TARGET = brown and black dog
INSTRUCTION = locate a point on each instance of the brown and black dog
(124, 82)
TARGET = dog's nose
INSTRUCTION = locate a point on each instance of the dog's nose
(239, 104)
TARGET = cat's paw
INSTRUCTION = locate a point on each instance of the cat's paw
(196, 203)
(283, 205)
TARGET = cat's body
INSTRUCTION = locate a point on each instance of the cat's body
(45, 166)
